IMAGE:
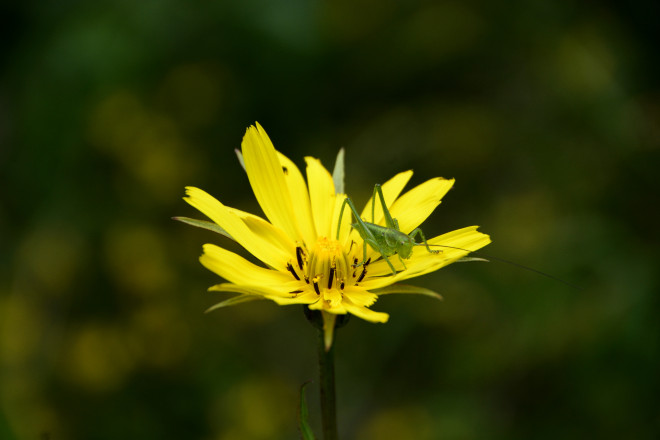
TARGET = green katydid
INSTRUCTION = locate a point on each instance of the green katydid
(387, 240)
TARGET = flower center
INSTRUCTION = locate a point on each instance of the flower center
(328, 269)
(328, 265)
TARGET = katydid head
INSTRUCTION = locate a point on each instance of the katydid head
(404, 246)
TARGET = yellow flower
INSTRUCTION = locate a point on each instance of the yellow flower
(304, 262)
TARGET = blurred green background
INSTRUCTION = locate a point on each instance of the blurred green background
(546, 113)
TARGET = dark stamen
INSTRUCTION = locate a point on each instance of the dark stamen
(331, 277)
(306, 279)
(297, 292)
(293, 272)
(341, 286)
(299, 254)
(364, 272)
(316, 287)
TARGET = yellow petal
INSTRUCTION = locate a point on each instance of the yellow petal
(266, 177)
(322, 196)
(365, 313)
(467, 238)
(270, 234)
(279, 294)
(274, 253)
(238, 270)
(337, 309)
(412, 208)
(333, 298)
(299, 198)
(346, 219)
(360, 297)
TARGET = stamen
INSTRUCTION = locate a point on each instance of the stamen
(364, 272)
(327, 260)
(331, 277)
(299, 257)
(290, 268)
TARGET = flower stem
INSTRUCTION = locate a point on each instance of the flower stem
(327, 385)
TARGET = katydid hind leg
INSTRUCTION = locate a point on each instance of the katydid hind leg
(341, 214)
(362, 229)
(389, 221)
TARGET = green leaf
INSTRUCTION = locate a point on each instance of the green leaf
(240, 157)
(234, 300)
(303, 423)
(204, 225)
(468, 259)
(406, 289)
(338, 173)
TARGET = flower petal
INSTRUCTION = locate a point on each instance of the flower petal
(337, 309)
(360, 297)
(274, 253)
(345, 220)
(238, 270)
(365, 313)
(282, 296)
(322, 196)
(299, 198)
(266, 177)
(412, 208)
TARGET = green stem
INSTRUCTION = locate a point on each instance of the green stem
(327, 385)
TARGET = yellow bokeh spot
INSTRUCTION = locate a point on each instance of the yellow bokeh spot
(19, 329)
(135, 255)
(97, 358)
(255, 409)
(149, 145)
